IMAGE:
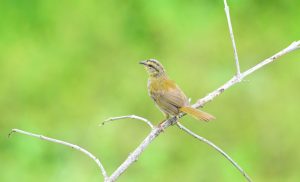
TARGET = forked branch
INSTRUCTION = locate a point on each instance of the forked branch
(201, 102)
(294, 46)
(156, 131)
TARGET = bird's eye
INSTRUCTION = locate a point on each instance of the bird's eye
(152, 67)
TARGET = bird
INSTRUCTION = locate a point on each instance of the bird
(167, 95)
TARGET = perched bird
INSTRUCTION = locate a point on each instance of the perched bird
(167, 95)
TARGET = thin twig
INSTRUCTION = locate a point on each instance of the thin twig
(293, 46)
(232, 39)
(76, 147)
(216, 148)
(131, 117)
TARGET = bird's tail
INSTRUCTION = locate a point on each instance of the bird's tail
(200, 115)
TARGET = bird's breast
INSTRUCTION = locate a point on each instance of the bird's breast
(161, 84)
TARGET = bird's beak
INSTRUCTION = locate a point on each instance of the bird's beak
(143, 62)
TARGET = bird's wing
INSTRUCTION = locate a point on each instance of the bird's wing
(169, 97)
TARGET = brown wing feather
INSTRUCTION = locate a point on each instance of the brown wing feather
(167, 95)
(164, 105)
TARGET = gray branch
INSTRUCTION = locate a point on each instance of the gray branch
(73, 146)
(216, 148)
(294, 46)
(232, 39)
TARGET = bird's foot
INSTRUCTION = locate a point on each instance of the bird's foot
(174, 120)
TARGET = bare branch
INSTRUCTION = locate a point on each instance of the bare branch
(156, 131)
(232, 39)
(294, 46)
(131, 117)
(216, 148)
(76, 147)
(134, 155)
(138, 151)
(201, 102)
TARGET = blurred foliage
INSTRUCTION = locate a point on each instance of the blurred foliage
(65, 66)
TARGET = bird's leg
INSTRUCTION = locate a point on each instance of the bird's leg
(167, 116)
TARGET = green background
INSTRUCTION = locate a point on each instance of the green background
(65, 66)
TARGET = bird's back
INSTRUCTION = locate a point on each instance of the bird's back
(167, 95)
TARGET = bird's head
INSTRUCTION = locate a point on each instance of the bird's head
(153, 67)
